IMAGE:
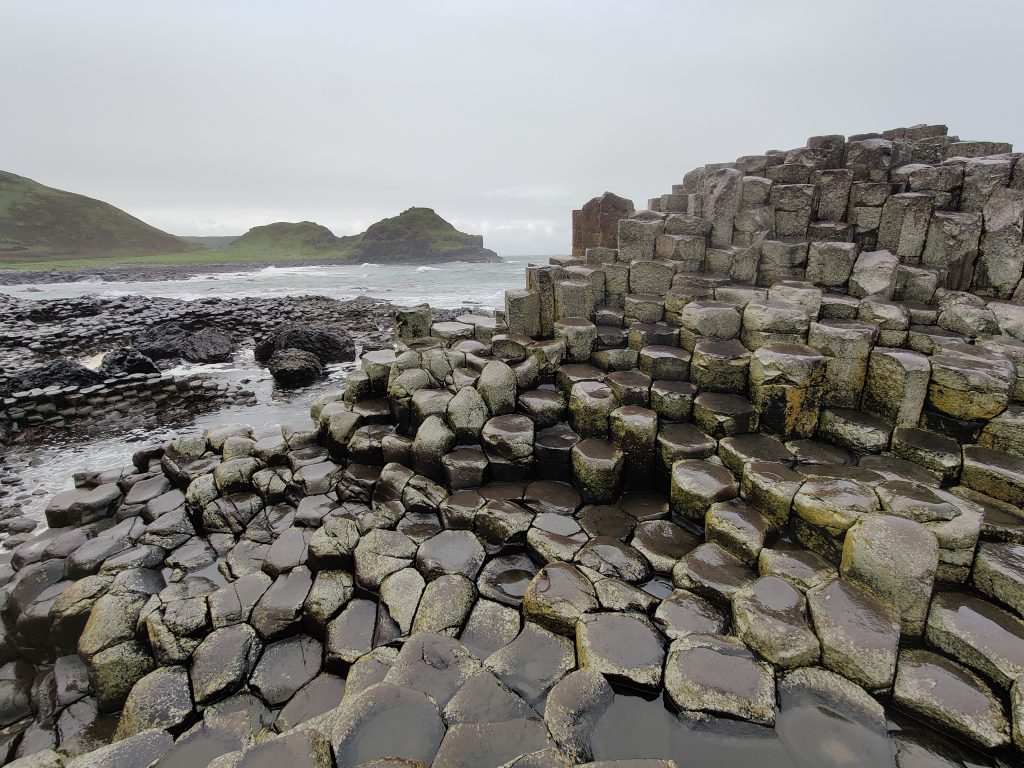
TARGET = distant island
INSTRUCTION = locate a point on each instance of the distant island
(46, 228)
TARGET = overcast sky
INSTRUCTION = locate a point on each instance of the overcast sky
(213, 116)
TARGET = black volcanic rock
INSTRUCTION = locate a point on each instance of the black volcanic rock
(125, 361)
(173, 340)
(329, 343)
(295, 368)
(60, 372)
(161, 342)
(206, 345)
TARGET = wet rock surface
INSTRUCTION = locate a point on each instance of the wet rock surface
(738, 486)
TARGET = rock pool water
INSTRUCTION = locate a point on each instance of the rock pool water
(47, 466)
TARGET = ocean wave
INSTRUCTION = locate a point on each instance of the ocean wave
(212, 276)
(369, 264)
(293, 270)
(428, 269)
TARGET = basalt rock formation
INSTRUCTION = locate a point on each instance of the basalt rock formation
(746, 487)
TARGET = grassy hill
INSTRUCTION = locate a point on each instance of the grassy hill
(303, 239)
(415, 235)
(39, 223)
(46, 228)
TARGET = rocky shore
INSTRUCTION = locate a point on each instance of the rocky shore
(740, 482)
(160, 333)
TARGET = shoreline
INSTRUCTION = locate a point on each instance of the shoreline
(130, 273)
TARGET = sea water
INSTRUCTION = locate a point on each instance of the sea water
(445, 286)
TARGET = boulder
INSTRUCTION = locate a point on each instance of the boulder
(124, 361)
(206, 345)
(329, 342)
(173, 340)
(295, 367)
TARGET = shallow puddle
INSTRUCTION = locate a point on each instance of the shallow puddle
(807, 734)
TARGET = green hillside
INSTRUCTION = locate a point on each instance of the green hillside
(38, 223)
(303, 239)
(415, 235)
(46, 228)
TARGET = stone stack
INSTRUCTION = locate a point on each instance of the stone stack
(757, 448)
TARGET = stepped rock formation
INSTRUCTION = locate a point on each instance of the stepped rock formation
(596, 224)
(762, 461)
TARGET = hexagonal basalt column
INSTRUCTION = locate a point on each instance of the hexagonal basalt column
(786, 387)
(673, 400)
(708, 320)
(574, 298)
(597, 470)
(696, 485)
(522, 312)
(412, 323)
(650, 277)
(895, 559)
(970, 388)
(766, 322)
(508, 442)
(637, 237)
(580, 337)
(634, 431)
(830, 264)
(847, 345)
(630, 387)
(897, 383)
(590, 404)
(720, 366)
(643, 307)
(799, 292)
(665, 363)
